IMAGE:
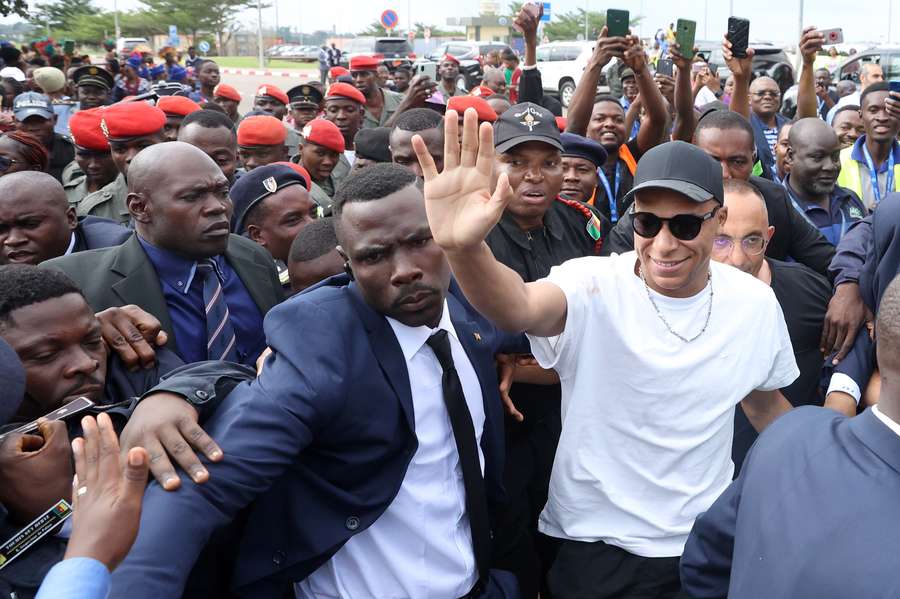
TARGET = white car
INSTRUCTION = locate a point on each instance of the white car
(561, 65)
(125, 45)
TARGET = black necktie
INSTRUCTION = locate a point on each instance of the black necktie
(464, 433)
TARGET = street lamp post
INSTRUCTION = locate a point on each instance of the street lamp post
(116, 19)
(259, 34)
(586, 20)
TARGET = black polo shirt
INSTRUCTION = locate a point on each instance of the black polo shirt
(803, 295)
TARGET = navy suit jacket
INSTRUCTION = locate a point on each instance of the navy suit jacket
(814, 514)
(321, 440)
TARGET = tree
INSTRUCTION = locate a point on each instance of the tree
(18, 7)
(61, 15)
(193, 16)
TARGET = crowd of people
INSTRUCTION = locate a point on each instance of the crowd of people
(382, 336)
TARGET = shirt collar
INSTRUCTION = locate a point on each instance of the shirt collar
(894, 426)
(71, 244)
(412, 339)
(177, 271)
(552, 223)
(857, 153)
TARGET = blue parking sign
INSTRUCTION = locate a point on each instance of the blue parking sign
(546, 16)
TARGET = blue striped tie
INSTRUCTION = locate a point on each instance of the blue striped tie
(220, 341)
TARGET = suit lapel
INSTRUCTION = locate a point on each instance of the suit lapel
(878, 437)
(140, 284)
(387, 351)
(252, 274)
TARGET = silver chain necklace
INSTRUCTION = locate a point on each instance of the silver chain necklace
(663, 318)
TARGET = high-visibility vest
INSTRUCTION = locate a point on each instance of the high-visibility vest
(850, 177)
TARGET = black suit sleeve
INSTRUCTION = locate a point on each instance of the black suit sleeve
(531, 86)
(204, 384)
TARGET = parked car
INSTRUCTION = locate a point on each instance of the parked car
(126, 45)
(393, 51)
(768, 59)
(887, 56)
(561, 65)
(471, 56)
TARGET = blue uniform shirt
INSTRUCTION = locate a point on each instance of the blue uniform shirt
(184, 298)
(845, 208)
(76, 578)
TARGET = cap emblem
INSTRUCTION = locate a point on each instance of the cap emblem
(271, 185)
(528, 119)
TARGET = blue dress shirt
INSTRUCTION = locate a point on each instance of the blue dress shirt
(184, 299)
(76, 578)
(845, 208)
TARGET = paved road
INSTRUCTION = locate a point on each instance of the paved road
(248, 83)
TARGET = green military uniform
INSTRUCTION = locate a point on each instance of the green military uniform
(74, 182)
(108, 202)
(292, 141)
(320, 196)
(341, 169)
(456, 92)
(392, 101)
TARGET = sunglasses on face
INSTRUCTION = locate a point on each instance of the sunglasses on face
(682, 226)
(5, 163)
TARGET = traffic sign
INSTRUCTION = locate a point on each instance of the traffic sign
(546, 16)
(173, 35)
(203, 46)
(389, 19)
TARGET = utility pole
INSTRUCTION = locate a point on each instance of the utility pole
(890, 10)
(706, 19)
(730, 8)
(116, 19)
(586, 37)
(259, 35)
(800, 24)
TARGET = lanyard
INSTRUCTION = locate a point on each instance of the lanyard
(613, 212)
(836, 233)
(889, 184)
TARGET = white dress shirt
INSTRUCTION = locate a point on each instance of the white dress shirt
(421, 546)
(891, 424)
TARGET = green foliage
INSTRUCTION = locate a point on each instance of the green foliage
(18, 7)
(60, 15)
(569, 25)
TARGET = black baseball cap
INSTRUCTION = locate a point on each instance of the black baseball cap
(680, 167)
(525, 122)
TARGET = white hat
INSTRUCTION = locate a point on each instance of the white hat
(13, 73)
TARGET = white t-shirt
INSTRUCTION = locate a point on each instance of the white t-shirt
(648, 420)
(704, 97)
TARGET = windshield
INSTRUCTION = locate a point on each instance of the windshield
(397, 47)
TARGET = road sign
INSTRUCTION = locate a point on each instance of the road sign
(389, 19)
(546, 16)
(203, 46)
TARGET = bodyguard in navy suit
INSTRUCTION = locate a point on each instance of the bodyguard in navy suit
(814, 513)
(348, 444)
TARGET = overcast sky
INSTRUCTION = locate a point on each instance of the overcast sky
(775, 20)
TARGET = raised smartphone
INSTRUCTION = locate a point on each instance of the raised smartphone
(617, 22)
(685, 31)
(833, 36)
(739, 36)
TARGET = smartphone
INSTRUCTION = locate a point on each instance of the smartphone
(664, 67)
(739, 36)
(685, 30)
(617, 22)
(699, 67)
(74, 407)
(833, 36)
(894, 86)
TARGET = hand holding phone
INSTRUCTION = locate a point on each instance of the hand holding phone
(685, 32)
(664, 67)
(832, 36)
(739, 36)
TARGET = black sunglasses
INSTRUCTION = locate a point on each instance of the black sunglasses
(682, 226)
(5, 163)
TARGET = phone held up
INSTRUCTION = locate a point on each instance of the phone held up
(617, 22)
(739, 36)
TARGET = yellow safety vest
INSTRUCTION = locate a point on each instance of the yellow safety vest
(850, 177)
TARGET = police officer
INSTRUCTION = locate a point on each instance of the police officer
(93, 86)
(305, 102)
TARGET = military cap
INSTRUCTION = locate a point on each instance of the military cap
(177, 105)
(273, 92)
(86, 132)
(582, 147)
(257, 185)
(304, 94)
(223, 90)
(323, 133)
(261, 130)
(125, 120)
(345, 90)
(93, 75)
(364, 63)
(335, 72)
(484, 110)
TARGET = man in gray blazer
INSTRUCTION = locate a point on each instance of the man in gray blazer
(208, 288)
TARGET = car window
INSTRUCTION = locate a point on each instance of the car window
(398, 46)
(458, 50)
(361, 45)
(572, 52)
(891, 67)
(558, 53)
(543, 53)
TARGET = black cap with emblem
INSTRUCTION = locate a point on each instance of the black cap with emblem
(304, 94)
(93, 75)
(525, 122)
(257, 185)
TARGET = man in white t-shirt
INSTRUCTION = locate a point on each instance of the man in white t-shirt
(654, 350)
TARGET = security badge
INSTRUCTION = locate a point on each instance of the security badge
(42, 526)
(271, 185)
(528, 118)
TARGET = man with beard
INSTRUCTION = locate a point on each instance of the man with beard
(603, 120)
(448, 73)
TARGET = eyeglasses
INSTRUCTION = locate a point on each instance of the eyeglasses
(682, 226)
(752, 245)
(6, 162)
(766, 94)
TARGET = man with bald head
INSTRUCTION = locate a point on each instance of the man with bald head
(209, 289)
(814, 155)
(37, 223)
(793, 494)
(495, 80)
(765, 100)
(802, 293)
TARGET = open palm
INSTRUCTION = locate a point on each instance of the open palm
(461, 209)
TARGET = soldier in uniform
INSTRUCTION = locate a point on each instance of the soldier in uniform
(321, 147)
(229, 99)
(272, 100)
(176, 108)
(129, 127)
(271, 205)
(344, 106)
(306, 103)
(93, 86)
(93, 166)
(260, 139)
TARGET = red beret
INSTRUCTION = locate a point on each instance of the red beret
(261, 130)
(364, 63)
(450, 58)
(272, 92)
(177, 105)
(131, 119)
(299, 170)
(345, 90)
(484, 110)
(85, 128)
(482, 91)
(336, 72)
(324, 133)
(223, 90)
(562, 122)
